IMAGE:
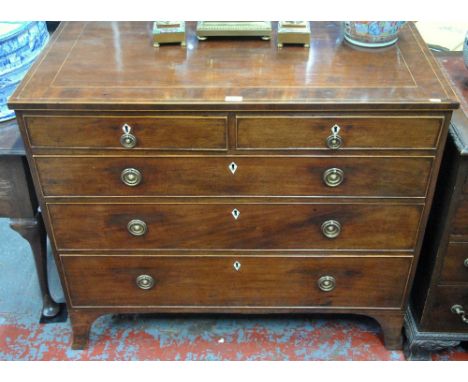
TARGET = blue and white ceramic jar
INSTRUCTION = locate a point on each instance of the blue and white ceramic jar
(372, 34)
(20, 44)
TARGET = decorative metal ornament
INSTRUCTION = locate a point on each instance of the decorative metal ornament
(333, 177)
(458, 309)
(335, 141)
(326, 283)
(145, 282)
(127, 139)
(293, 32)
(167, 32)
(331, 228)
(261, 29)
(137, 227)
(131, 177)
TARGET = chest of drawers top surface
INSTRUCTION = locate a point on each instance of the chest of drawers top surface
(122, 70)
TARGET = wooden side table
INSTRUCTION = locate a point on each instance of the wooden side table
(18, 202)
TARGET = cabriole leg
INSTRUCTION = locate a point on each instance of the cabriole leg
(32, 229)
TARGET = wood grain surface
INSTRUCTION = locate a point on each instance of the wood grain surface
(364, 176)
(122, 70)
(212, 281)
(212, 226)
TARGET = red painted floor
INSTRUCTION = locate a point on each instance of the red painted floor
(203, 338)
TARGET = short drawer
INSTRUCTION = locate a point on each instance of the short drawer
(460, 220)
(455, 267)
(159, 133)
(229, 281)
(234, 226)
(376, 132)
(236, 176)
(441, 316)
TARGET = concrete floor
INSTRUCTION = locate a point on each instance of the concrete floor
(172, 337)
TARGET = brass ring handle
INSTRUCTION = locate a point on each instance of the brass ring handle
(334, 141)
(326, 283)
(128, 140)
(131, 177)
(137, 227)
(458, 309)
(333, 177)
(144, 282)
(331, 228)
(465, 263)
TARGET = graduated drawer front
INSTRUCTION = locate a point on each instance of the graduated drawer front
(164, 133)
(455, 268)
(280, 132)
(199, 281)
(213, 226)
(439, 316)
(254, 176)
(460, 220)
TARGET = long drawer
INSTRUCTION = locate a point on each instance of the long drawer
(277, 132)
(236, 176)
(156, 133)
(234, 226)
(229, 281)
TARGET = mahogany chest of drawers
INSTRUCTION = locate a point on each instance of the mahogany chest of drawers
(231, 176)
(438, 314)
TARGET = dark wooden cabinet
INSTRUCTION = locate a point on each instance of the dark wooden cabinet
(231, 176)
(438, 314)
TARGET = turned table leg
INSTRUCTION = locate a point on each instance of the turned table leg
(32, 229)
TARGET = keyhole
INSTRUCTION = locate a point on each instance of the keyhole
(335, 130)
(126, 128)
(235, 212)
(233, 167)
(237, 265)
